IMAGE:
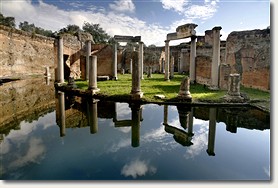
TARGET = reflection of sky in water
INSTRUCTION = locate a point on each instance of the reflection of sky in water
(37, 148)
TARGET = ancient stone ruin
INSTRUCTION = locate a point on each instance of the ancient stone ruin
(208, 61)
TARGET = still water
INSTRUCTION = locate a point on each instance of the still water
(81, 139)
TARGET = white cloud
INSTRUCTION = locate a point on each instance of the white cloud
(202, 12)
(122, 6)
(176, 5)
(192, 11)
(137, 168)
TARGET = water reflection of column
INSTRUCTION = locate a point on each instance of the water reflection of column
(183, 116)
(135, 128)
(212, 130)
(190, 123)
(61, 112)
(165, 120)
(92, 115)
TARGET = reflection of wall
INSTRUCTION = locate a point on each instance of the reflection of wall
(237, 117)
(24, 99)
(76, 111)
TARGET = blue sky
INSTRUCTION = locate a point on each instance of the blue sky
(152, 19)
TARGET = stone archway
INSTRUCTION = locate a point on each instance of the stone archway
(182, 32)
(122, 38)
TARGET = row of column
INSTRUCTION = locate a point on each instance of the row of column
(60, 54)
(192, 73)
(140, 61)
(215, 59)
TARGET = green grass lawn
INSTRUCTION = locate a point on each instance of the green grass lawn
(157, 85)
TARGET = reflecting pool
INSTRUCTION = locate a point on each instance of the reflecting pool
(82, 139)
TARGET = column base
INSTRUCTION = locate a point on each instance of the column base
(186, 97)
(94, 90)
(229, 98)
(213, 88)
(136, 95)
(114, 78)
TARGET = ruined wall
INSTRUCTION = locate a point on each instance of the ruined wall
(248, 53)
(24, 54)
(105, 60)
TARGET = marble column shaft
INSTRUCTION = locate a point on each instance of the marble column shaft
(115, 62)
(215, 57)
(93, 73)
(141, 59)
(60, 60)
(192, 71)
(88, 53)
(167, 60)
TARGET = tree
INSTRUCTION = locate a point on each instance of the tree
(99, 35)
(71, 29)
(7, 21)
(25, 26)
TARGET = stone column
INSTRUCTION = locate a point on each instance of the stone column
(165, 117)
(183, 115)
(141, 60)
(190, 123)
(192, 71)
(136, 93)
(62, 113)
(47, 73)
(60, 60)
(93, 75)
(88, 54)
(130, 66)
(172, 67)
(167, 60)
(150, 72)
(92, 115)
(234, 85)
(162, 66)
(212, 130)
(182, 62)
(115, 63)
(184, 92)
(215, 59)
(135, 128)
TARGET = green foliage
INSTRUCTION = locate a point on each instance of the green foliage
(7, 21)
(99, 35)
(25, 26)
(71, 29)
(31, 28)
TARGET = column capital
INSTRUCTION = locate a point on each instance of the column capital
(167, 41)
(217, 28)
(193, 37)
(141, 42)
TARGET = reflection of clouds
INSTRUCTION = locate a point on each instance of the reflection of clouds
(267, 171)
(199, 139)
(34, 154)
(121, 144)
(123, 111)
(48, 120)
(124, 129)
(137, 168)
